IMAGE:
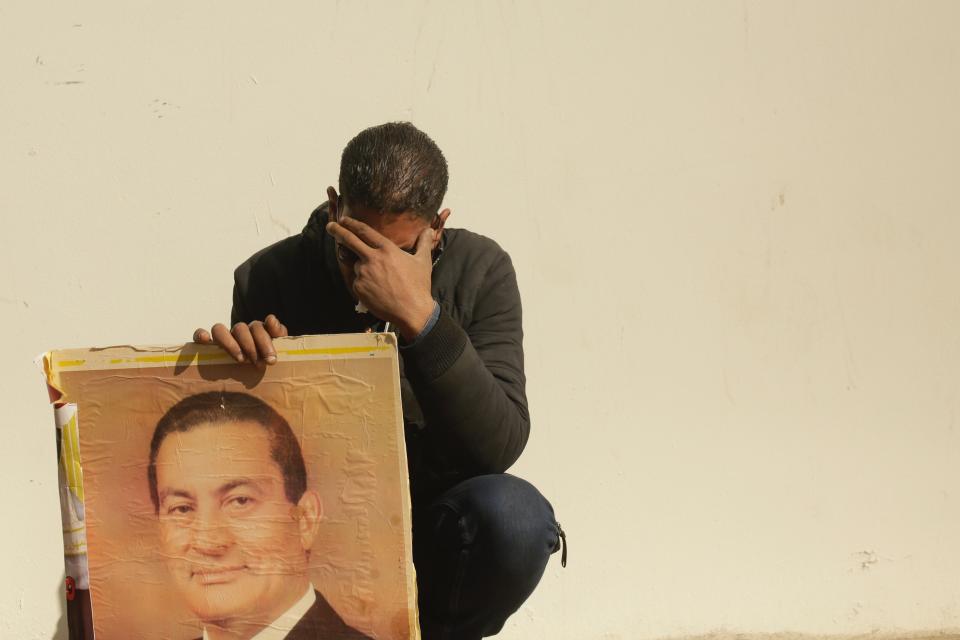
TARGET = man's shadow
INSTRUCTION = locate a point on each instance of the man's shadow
(203, 356)
(76, 617)
(60, 631)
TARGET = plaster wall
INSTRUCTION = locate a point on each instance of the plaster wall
(736, 231)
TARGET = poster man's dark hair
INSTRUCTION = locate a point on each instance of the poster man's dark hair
(223, 407)
(392, 168)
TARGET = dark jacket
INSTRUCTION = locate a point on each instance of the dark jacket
(321, 622)
(464, 404)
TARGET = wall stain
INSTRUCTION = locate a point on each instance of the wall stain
(161, 108)
(25, 304)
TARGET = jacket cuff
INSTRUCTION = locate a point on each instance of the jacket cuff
(427, 328)
(436, 351)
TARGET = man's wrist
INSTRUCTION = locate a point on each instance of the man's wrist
(411, 328)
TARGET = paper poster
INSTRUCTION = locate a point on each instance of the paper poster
(205, 499)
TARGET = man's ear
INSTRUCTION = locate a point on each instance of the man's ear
(437, 226)
(333, 200)
(309, 513)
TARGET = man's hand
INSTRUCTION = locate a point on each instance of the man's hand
(246, 342)
(393, 284)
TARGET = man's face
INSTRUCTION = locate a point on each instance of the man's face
(234, 544)
(402, 229)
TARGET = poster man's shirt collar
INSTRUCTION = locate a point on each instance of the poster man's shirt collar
(279, 628)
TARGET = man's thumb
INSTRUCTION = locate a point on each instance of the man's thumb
(425, 242)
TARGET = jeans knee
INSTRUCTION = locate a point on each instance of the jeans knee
(506, 513)
(481, 548)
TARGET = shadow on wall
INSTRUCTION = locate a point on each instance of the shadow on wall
(76, 621)
(60, 632)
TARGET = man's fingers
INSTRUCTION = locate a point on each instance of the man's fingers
(263, 342)
(246, 342)
(222, 336)
(274, 327)
(424, 246)
(241, 333)
(347, 238)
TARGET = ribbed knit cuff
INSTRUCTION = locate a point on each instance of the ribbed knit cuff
(436, 351)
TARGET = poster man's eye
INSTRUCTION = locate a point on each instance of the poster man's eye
(237, 503)
(179, 509)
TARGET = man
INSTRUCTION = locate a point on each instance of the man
(237, 521)
(377, 257)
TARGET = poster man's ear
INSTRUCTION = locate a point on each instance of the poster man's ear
(309, 514)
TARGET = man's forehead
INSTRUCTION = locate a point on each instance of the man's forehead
(401, 228)
(218, 443)
(219, 483)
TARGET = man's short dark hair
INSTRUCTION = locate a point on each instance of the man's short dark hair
(220, 407)
(392, 168)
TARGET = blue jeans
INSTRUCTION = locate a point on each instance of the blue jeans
(480, 549)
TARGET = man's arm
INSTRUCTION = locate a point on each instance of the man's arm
(470, 383)
(239, 312)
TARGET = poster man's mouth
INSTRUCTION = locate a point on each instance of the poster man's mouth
(216, 575)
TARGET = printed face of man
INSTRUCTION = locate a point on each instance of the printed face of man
(234, 544)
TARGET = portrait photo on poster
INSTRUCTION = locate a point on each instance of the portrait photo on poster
(221, 501)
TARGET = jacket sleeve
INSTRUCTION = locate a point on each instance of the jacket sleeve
(469, 380)
(239, 311)
(255, 289)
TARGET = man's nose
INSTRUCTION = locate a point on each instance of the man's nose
(211, 534)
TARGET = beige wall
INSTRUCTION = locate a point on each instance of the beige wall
(736, 231)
